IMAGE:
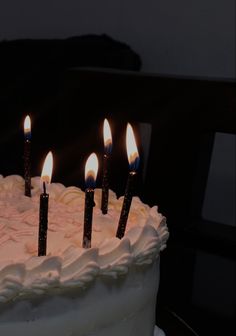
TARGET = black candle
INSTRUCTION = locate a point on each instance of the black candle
(27, 156)
(106, 158)
(88, 217)
(43, 222)
(91, 169)
(133, 158)
(43, 209)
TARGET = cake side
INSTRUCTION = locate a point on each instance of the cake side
(106, 307)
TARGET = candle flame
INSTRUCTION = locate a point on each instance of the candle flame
(132, 151)
(47, 169)
(91, 169)
(107, 137)
(27, 126)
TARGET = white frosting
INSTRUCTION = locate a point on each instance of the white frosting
(114, 283)
(67, 263)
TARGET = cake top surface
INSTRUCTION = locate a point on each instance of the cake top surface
(67, 263)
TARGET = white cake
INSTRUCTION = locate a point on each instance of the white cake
(107, 290)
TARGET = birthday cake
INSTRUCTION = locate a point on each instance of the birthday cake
(108, 289)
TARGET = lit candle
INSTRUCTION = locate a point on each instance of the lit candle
(43, 210)
(91, 169)
(133, 158)
(27, 154)
(106, 157)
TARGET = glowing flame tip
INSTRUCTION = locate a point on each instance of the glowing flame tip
(47, 169)
(91, 169)
(27, 125)
(107, 137)
(132, 150)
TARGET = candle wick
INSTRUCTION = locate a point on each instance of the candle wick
(44, 187)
